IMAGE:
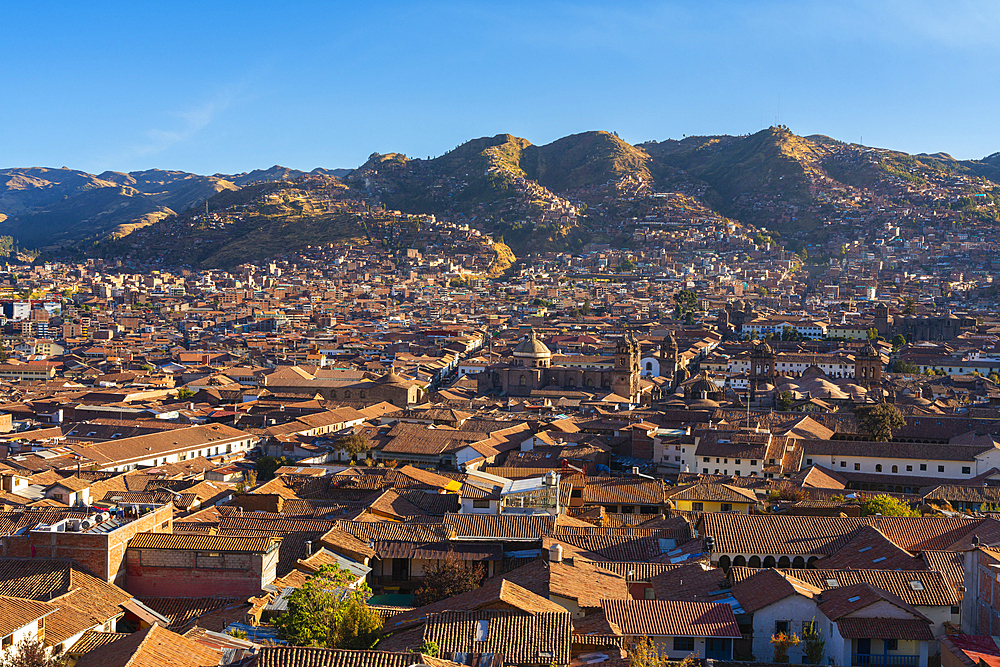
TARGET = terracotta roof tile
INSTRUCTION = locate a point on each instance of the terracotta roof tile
(769, 586)
(15, 613)
(672, 618)
(201, 542)
(884, 628)
(522, 639)
(303, 656)
(152, 647)
(933, 589)
(501, 527)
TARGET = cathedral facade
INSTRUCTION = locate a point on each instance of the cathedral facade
(529, 369)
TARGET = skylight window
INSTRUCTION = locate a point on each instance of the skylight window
(482, 630)
(879, 560)
(832, 583)
(854, 599)
(864, 549)
(917, 585)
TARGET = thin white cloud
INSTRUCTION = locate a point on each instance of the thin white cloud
(189, 123)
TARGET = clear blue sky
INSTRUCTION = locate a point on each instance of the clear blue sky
(232, 86)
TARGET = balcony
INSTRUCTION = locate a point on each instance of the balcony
(884, 660)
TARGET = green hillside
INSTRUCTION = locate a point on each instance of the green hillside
(582, 160)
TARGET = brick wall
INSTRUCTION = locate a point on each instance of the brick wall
(191, 573)
(101, 553)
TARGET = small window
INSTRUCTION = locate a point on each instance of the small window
(576, 493)
(737, 462)
(878, 467)
(809, 462)
(727, 507)
(707, 460)
(781, 626)
(698, 507)
(966, 470)
(955, 611)
(923, 466)
(891, 644)
(909, 468)
(940, 468)
(482, 630)
(648, 593)
(857, 466)
(704, 471)
(683, 643)
(8, 641)
(753, 462)
(481, 503)
(843, 464)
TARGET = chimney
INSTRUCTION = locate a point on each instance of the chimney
(555, 553)
(309, 548)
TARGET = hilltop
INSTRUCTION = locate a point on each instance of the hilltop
(590, 187)
(251, 223)
(54, 208)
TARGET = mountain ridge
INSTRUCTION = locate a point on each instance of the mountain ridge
(559, 195)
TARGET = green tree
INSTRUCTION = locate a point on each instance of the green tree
(684, 301)
(184, 393)
(910, 306)
(586, 307)
(886, 506)
(449, 578)
(879, 422)
(900, 366)
(325, 613)
(785, 400)
(266, 465)
(790, 334)
(898, 341)
(354, 444)
(815, 644)
(873, 334)
(429, 648)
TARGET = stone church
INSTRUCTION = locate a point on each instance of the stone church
(529, 369)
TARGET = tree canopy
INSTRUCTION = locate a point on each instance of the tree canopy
(886, 506)
(449, 578)
(326, 613)
(354, 444)
(879, 422)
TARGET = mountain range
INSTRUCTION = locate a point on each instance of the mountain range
(557, 195)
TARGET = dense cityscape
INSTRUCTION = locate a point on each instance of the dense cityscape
(659, 334)
(676, 437)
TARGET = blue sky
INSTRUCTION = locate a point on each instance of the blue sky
(233, 86)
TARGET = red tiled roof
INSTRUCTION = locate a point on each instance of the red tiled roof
(884, 628)
(672, 618)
